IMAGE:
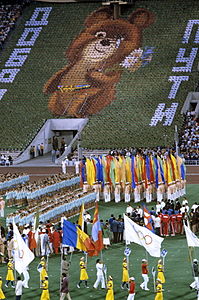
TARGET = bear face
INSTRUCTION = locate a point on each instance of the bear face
(93, 60)
(101, 48)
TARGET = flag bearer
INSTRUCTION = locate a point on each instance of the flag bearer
(160, 268)
(10, 275)
(145, 276)
(159, 290)
(125, 274)
(110, 293)
(45, 292)
(83, 273)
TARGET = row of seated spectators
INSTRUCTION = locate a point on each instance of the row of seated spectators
(189, 142)
(9, 13)
(48, 204)
(31, 187)
(9, 176)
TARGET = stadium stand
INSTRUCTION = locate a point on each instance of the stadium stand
(189, 143)
(126, 120)
(9, 13)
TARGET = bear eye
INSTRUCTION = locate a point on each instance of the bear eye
(100, 34)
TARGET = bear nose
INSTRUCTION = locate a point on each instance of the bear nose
(105, 42)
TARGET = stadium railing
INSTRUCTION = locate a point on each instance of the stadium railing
(192, 162)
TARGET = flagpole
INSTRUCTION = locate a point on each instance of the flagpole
(127, 257)
(147, 256)
(15, 272)
(47, 263)
(104, 269)
(60, 281)
(101, 254)
(190, 253)
(153, 274)
(86, 255)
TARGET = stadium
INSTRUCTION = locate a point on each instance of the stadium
(99, 115)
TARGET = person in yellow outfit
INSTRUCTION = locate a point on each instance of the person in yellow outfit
(110, 293)
(10, 274)
(160, 268)
(2, 296)
(125, 274)
(83, 273)
(42, 269)
(45, 292)
(159, 290)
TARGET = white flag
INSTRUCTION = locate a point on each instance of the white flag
(192, 239)
(21, 253)
(142, 236)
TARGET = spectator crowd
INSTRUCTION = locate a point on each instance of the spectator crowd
(9, 13)
(189, 141)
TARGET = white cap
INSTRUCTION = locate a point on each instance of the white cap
(195, 260)
(144, 259)
(131, 278)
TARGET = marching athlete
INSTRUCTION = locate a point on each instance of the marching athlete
(100, 274)
(160, 268)
(42, 269)
(83, 273)
(131, 288)
(45, 292)
(125, 274)
(10, 275)
(159, 290)
(145, 276)
(110, 293)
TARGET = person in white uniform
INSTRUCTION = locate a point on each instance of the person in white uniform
(100, 275)
(26, 278)
(117, 192)
(107, 192)
(19, 288)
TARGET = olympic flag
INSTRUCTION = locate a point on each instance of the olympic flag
(143, 237)
(192, 239)
(21, 253)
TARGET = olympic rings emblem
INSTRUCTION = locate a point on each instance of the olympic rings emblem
(147, 238)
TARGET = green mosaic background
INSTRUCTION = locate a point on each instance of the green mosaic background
(126, 121)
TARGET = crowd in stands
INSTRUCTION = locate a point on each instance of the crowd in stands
(10, 176)
(51, 206)
(189, 142)
(9, 13)
(161, 151)
(31, 187)
(5, 160)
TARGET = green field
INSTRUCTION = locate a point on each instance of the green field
(177, 266)
(126, 121)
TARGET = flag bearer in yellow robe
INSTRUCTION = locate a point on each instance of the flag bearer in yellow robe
(45, 292)
(83, 273)
(10, 274)
(42, 269)
(125, 274)
(160, 268)
(2, 296)
(110, 293)
(159, 290)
